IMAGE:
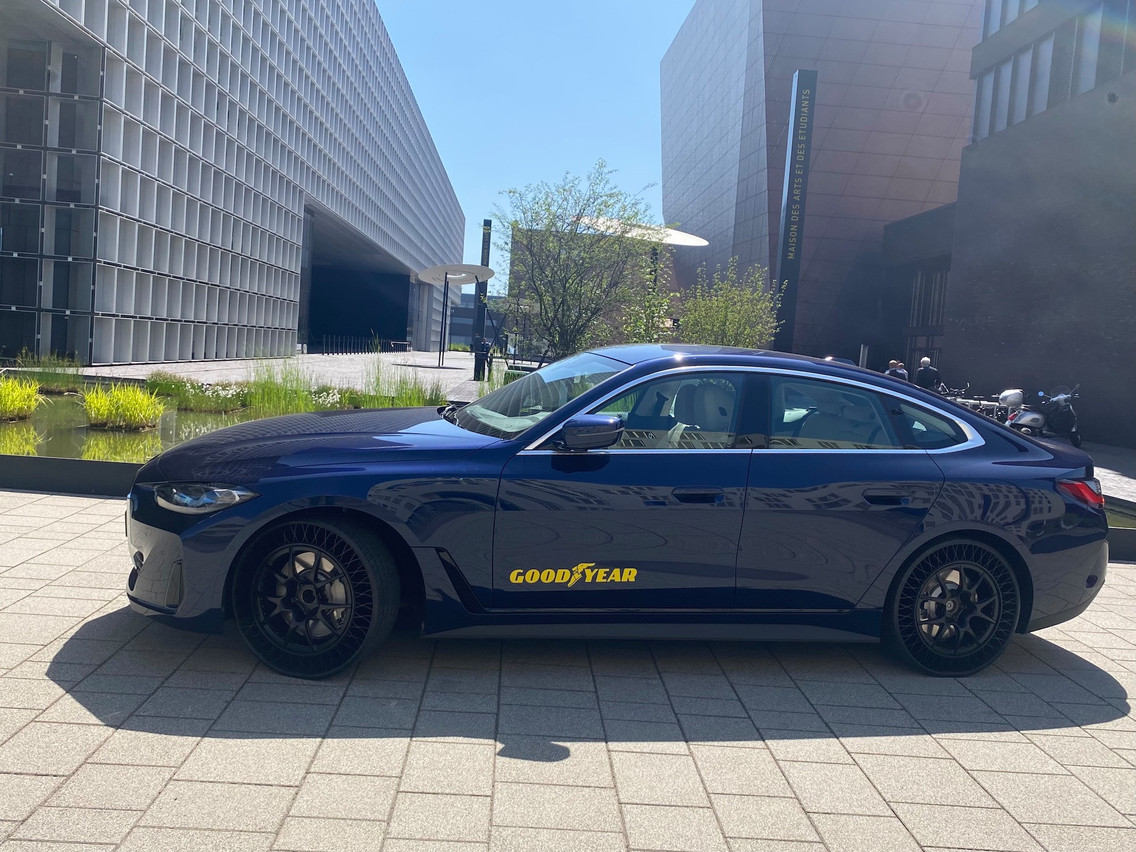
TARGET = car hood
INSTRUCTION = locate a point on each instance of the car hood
(281, 446)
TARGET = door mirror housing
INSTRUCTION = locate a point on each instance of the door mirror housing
(589, 432)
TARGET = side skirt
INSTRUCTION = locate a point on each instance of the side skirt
(452, 611)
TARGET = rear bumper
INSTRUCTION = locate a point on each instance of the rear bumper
(1061, 595)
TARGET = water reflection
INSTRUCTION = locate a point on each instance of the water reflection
(59, 429)
(106, 445)
(19, 438)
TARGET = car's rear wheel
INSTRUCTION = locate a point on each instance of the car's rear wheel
(954, 608)
(311, 597)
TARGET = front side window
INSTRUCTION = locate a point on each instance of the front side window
(687, 411)
(520, 405)
(817, 415)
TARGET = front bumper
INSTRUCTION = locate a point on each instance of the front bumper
(156, 585)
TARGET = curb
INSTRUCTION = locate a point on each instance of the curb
(67, 476)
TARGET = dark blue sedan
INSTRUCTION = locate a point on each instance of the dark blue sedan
(647, 491)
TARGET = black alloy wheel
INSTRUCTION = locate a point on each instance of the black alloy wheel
(310, 597)
(954, 608)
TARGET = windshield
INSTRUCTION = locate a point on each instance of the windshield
(509, 411)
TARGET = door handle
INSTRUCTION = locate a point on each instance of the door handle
(698, 495)
(886, 498)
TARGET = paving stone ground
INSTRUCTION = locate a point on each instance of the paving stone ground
(116, 733)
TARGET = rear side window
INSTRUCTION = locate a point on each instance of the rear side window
(817, 415)
(927, 430)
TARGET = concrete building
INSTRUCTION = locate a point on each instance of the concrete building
(892, 115)
(201, 179)
(1042, 286)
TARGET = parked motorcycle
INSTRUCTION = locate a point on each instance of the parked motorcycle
(1051, 416)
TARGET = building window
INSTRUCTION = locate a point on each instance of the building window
(982, 105)
(993, 19)
(19, 280)
(927, 296)
(20, 173)
(26, 67)
(19, 228)
(1002, 95)
(1019, 96)
(21, 120)
(1088, 50)
(1041, 74)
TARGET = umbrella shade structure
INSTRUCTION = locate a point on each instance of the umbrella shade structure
(452, 275)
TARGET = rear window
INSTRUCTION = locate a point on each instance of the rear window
(927, 430)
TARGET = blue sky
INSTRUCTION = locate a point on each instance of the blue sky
(520, 91)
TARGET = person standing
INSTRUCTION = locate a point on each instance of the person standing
(926, 376)
(902, 372)
(893, 370)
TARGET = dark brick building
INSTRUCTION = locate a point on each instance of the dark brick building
(1042, 286)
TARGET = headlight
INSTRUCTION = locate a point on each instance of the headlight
(195, 499)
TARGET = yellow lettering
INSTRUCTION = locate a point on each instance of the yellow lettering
(547, 575)
(589, 573)
(629, 575)
(562, 575)
(532, 575)
(601, 575)
(517, 576)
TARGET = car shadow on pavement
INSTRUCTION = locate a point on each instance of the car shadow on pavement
(542, 701)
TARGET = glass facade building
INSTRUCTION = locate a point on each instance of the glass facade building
(197, 179)
(893, 111)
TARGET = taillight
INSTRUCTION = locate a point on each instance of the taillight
(1086, 491)
(1013, 416)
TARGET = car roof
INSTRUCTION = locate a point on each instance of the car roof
(640, 353)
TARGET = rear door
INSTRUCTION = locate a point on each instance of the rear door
(836, 491)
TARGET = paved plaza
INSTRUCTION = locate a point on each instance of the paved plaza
(121, 734)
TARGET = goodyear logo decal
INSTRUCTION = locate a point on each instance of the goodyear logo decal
(585, 572)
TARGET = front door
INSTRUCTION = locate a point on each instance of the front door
(652, 522)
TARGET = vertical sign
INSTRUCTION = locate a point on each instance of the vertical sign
(797, 149)
(480, 294)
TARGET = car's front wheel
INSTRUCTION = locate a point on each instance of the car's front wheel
(311, 597)
(954, 608)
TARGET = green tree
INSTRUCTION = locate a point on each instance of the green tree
(575, 247)
(728, 310)
(647, 315)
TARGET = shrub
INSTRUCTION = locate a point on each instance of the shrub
(122, 407)
(19, 397)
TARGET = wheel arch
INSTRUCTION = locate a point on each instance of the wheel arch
(409, 570)
(1004, 549)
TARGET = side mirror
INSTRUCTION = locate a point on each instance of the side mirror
(589, 432)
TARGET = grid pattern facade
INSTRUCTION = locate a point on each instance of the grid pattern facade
(181, 141)
(893, 112)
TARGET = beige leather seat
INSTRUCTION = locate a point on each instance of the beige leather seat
(705, 415)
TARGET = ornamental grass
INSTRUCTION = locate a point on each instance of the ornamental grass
(54, 373)
(19, 397)
(127, 407)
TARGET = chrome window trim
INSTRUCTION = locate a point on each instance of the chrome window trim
(973, 439)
